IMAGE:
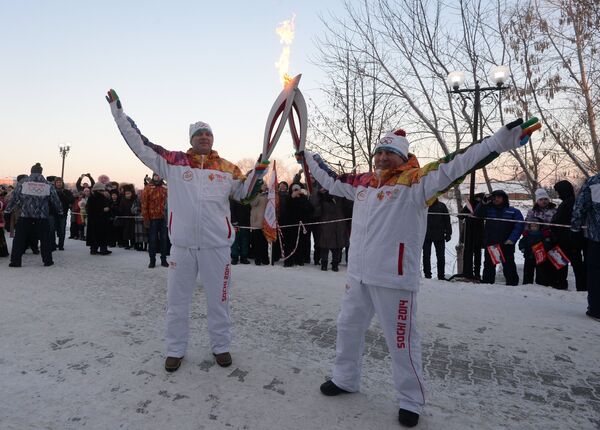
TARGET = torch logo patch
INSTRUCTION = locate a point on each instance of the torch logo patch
(188, 175)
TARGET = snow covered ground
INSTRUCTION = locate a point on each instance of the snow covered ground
(82, 348)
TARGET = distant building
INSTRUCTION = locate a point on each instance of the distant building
(515, 190)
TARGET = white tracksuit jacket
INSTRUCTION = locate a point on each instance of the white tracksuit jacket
(199, 189)
(200, 231)
(389, 219)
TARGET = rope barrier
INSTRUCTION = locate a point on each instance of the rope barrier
(455, 214)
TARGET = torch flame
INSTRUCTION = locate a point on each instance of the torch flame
(285, 30)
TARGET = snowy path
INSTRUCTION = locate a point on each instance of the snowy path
(82, 348)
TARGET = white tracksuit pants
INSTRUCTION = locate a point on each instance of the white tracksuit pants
(213, 268)
(397, 315)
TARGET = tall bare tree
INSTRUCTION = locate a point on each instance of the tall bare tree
(357, 110)
(555, 44)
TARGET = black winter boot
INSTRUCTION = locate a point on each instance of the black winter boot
(408, 418)
(330, 389)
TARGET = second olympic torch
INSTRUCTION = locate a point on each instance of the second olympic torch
(289, 107)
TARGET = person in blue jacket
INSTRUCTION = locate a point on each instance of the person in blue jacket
(503, 233)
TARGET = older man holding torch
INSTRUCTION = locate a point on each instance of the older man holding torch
(200, 184)
(388, 228)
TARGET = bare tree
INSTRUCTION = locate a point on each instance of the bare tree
(554, 43)
(414, 45)
(357, 110)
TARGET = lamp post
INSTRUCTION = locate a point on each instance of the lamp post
(63, 149)
(498, 75)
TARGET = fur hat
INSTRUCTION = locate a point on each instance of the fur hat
(197, 127)
(541, 193)
(36, 168)
(99, 186)
(394, 141)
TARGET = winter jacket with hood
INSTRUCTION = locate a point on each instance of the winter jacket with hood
(563, 215)
(544, 214)
(332, 235)
(390, 210)
(199, 188)
(587, 208)
(66, 198)
(438, 226)
(98, 213)
(498, 232)
(34, 195)
(154, 201)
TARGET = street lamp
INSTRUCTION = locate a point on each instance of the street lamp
(63, 149)
(498, 75)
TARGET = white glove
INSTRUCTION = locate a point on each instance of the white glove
(514, 135)
(116, 108)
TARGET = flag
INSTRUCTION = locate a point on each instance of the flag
(539, 253)
(270, 219)
(496, 254)
(558, 258)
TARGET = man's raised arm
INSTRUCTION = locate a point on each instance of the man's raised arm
(153, 156)
(437, 177)
(342, 185)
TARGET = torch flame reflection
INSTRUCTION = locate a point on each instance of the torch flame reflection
(285, 30)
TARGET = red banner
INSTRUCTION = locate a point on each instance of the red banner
(496, 254)
(539, 253)
(558, 258)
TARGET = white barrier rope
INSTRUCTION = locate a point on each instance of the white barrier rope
(458, 215)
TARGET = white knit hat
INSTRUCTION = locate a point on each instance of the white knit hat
(541, 193)
(394, 141)
(199, 126)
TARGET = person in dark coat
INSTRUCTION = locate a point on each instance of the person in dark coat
(116, 228)
(332, 236)
(587, 210)
(298, 209)
(475, 231)
(573, 244)
(240, 217)
(3, 245)
(66, 200)
(127, 208)
(35, 196)
(502, 233)
(98, 213)
(439, 229)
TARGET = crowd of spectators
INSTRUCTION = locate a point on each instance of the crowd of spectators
(108, 214)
